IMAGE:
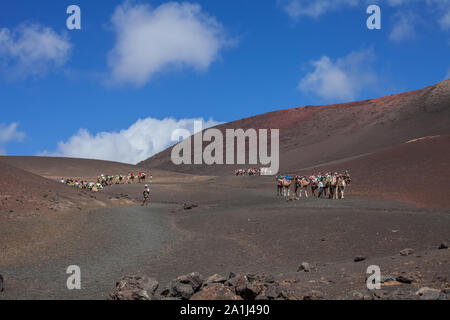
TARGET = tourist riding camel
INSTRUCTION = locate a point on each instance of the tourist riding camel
(141, 177)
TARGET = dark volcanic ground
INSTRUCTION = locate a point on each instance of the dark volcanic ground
(240, 225)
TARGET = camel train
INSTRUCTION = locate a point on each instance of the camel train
(250, 172)
(331, 185)
(105, 180)
(253, 172)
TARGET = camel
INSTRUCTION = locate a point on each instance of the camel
(301, 183)
(286, 187)
(314, 186)
(333, 186)
(341, 184)
(283, 186)
(343, 181)
(279, 186)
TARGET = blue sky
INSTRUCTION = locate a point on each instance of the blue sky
(82, 92)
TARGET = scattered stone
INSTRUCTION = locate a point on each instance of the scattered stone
(184, 286)
(181, 290)
(135, 288)
(407, 252)
(216, 291)
(313, 295)
(231, 275)
(404, 279)
(397, 294)
(233, 280)
(444, 245)
(216, 278)
(359, 259)
(360, 295)
(387, 278)
(194, 279)
(189, 206)
(426, 293)
(273, 291)
(250, 291)
(305, 266)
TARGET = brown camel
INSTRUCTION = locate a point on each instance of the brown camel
(343, 181)
(333, 186)
(283, 186)
(279, 187)
(286, 187)
(341, 184)
(301, 183)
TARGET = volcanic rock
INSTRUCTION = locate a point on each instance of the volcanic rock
(305, 266)
(135, 288)
(407, 252)
(444, 245)
(216, 291)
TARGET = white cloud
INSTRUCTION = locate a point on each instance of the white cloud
(435, 10)
(9, 133)
(340, 80)
(404, 28)
(32, 50)
(152, 40)
(313, 8)
(445, 21)
(141, 140)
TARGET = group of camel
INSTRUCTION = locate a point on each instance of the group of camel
(105, 180)
(333, 185)
(250, 172)
(120, 179)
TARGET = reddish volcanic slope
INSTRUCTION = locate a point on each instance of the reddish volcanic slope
(313, 135)
(416, 172)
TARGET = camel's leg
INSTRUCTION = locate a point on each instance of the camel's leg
(306, 193)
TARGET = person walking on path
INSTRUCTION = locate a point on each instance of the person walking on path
(146, 193)
(320, 186)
